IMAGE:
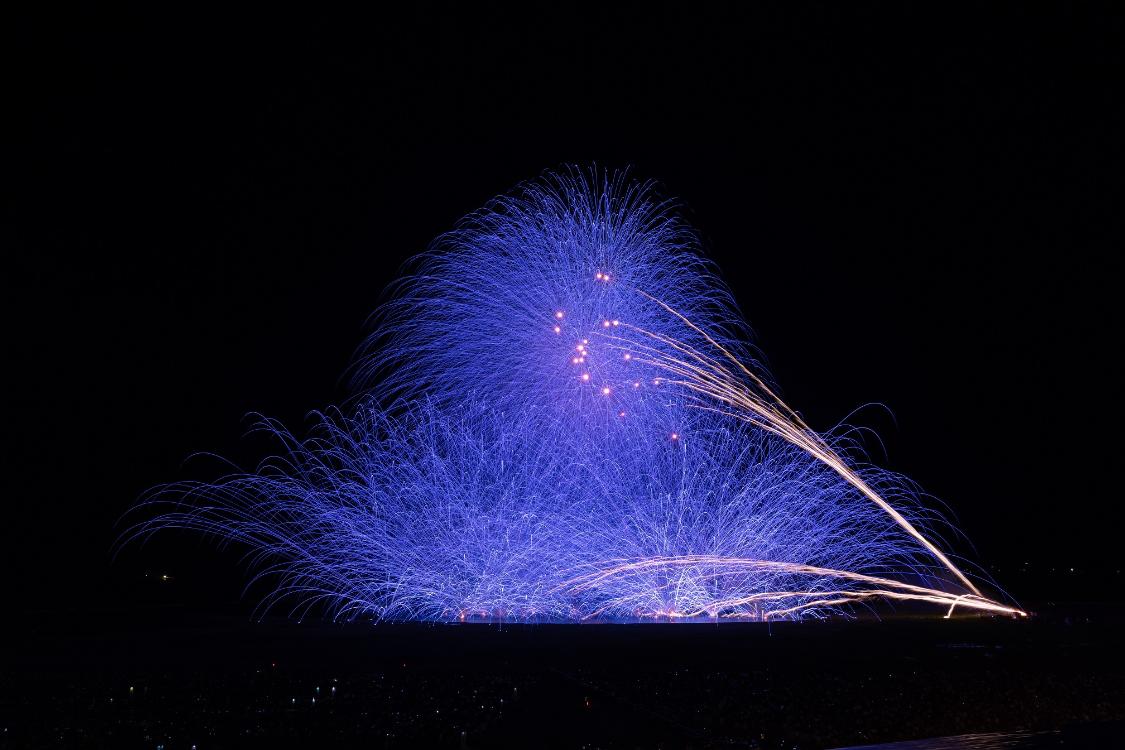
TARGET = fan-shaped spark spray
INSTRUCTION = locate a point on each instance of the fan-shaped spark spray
(560, 418)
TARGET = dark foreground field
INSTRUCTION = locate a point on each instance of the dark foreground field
(158, 679)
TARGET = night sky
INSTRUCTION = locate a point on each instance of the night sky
(913, 210)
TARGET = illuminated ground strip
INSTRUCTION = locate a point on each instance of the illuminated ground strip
(559, 417)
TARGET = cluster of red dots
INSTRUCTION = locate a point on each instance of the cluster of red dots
(582, 350)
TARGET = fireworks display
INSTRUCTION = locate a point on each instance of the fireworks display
(560, 419)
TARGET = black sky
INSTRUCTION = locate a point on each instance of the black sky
(915, 207)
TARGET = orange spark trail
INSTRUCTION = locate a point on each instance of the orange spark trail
(708, 377)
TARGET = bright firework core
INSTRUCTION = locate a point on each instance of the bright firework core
(561, 420)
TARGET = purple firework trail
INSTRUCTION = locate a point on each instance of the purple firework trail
(560, 418)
